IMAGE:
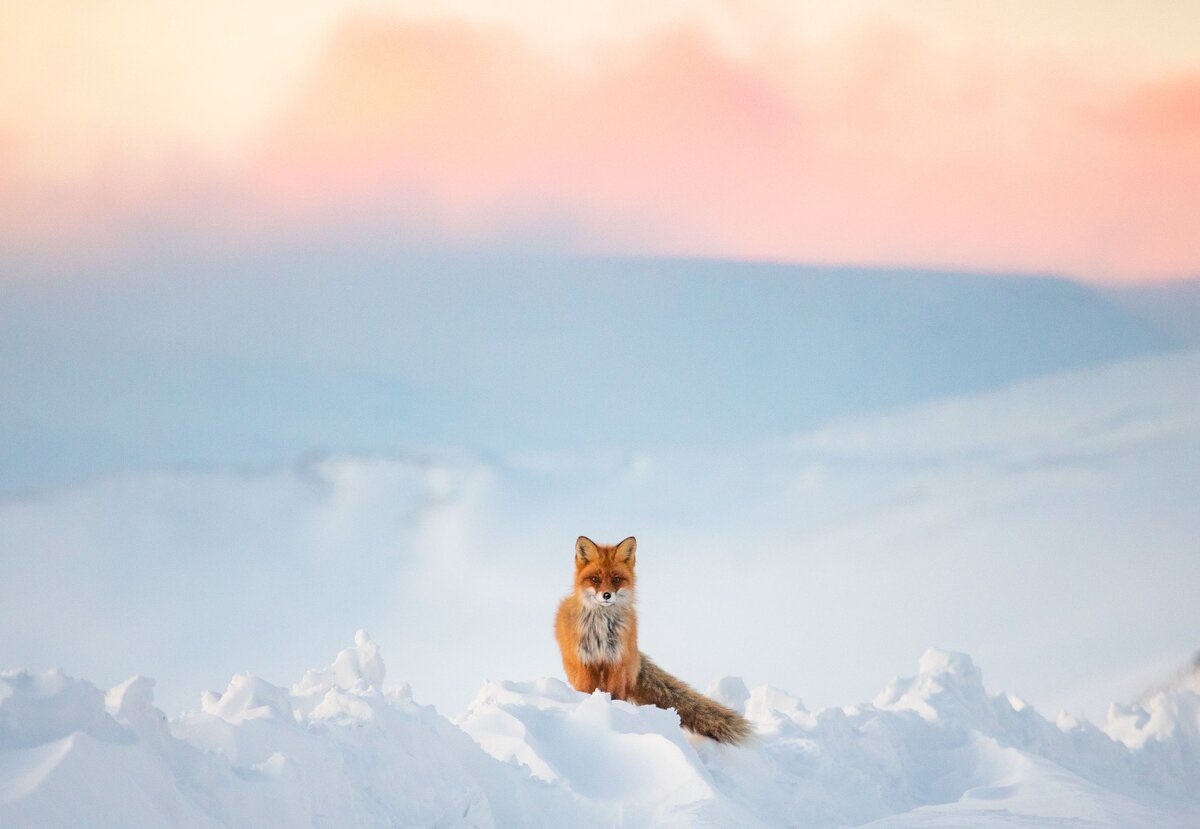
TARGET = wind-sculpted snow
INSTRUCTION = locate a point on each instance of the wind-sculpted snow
(339, 749)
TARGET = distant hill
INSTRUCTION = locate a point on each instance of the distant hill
(1172, 307)
(257, 359)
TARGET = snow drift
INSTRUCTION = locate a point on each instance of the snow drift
(339, 749)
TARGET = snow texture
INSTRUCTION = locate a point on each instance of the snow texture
(341, 749)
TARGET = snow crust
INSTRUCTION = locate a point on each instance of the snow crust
(341, 749)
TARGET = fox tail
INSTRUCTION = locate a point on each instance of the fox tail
(696, 712)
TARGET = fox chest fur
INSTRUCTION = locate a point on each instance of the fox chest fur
(602, 632)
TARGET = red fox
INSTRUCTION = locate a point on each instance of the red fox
(596, 628)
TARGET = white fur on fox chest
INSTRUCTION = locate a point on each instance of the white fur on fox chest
(603, 634)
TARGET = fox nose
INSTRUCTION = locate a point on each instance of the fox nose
(607, 596)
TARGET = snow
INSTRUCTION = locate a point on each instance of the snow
(341, 748)
(211, 360)
(1048, 528)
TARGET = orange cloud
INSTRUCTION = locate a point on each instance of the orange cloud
(882, 145)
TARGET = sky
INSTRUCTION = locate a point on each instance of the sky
(993, 136)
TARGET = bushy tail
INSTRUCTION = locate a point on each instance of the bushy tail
(697, 712)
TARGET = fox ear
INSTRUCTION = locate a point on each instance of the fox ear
(626, 550)
(585, 551)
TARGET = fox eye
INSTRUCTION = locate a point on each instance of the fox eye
(595, 579)
(617, 579)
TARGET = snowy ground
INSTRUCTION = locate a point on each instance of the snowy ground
(1047, 526)
(341, 748)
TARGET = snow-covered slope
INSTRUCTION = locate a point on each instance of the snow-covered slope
(1049, 528)
(339, 749)
(224, 361)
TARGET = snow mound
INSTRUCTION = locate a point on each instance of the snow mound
(947, 686)
(600, 749)
(359, 667)
(1163, 731)
(341, 749)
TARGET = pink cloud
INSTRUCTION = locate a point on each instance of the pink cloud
(883, 147)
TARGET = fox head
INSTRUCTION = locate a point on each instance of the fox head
(604, 575)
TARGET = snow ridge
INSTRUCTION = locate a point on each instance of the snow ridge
(341, 749)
